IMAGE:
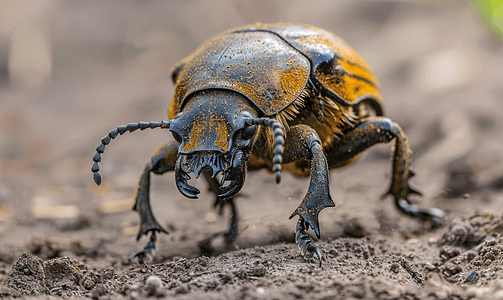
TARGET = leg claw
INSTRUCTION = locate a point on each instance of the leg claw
(148, 252)
(143, 257)
(419, 213)
(306, 244)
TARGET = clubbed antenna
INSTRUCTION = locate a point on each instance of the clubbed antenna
(279, 141)
(112, 134)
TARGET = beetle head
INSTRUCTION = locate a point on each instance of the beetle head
(216, 130)
(214, 136)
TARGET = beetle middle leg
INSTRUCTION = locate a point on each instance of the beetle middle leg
(303, 142)
(163, 160)
(229, 235)
(374, 130)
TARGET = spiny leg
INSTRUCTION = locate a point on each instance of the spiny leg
(303, 142)
(163, 160)
(306, 244)
(231, 234)
(375, 130)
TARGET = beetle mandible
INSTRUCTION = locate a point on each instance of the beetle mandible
(267, 96)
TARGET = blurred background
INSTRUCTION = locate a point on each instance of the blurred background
(71, 70)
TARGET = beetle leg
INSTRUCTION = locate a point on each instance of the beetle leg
(303, 142)
(375, 130)
(231, 234)
(306, 244)
(148, 252)
(162, 161)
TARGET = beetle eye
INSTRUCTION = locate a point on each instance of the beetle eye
(248, 132)
(177, 137)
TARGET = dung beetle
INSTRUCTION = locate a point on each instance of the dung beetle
(270, 96)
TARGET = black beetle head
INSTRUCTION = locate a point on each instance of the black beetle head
(214, 121)
(216, 130)
(214, 136)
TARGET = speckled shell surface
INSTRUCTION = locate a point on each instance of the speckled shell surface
(257, 64)
(271, 64)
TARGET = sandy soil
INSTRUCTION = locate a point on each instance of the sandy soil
(71, 70)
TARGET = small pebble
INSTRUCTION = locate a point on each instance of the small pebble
(153, 283)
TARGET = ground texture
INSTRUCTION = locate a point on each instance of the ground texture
(72, 70)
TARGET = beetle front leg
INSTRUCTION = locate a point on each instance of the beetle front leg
(375, 130)
(306, 244)
(303, 142)
(163, 160)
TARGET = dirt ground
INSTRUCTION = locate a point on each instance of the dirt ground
(72, 70)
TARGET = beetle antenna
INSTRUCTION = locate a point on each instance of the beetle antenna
(279, 141)
(112, 134)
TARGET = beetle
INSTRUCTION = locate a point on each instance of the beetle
(270, 96)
